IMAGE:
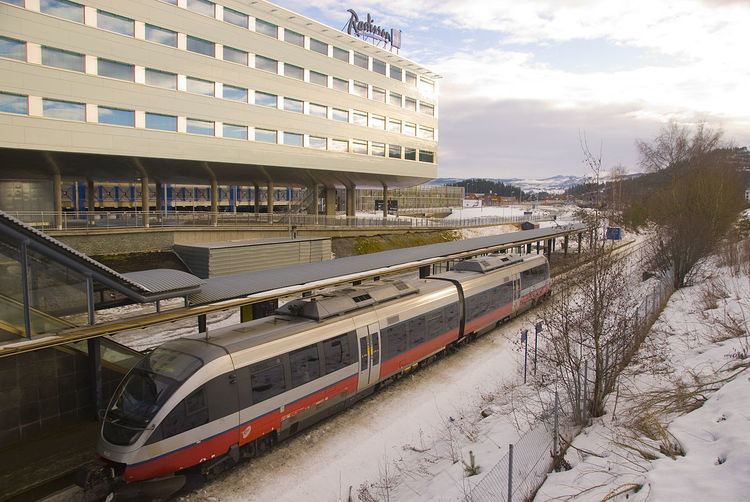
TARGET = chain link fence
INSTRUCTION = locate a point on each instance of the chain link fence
(521, 472)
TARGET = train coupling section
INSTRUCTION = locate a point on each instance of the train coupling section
(101, 481)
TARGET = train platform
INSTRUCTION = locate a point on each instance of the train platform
(31, 470)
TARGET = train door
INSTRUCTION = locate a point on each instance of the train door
(369, 355)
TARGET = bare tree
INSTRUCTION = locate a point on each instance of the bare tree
(676, 144)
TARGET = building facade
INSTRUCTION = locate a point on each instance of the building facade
(235, 93)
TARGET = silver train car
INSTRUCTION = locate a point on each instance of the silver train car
(203, 403)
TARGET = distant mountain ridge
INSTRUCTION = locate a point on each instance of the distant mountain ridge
(554, 184)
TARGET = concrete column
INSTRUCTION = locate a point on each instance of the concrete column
(160, 202)
(538, 246)
(580, 241)
(269, 201)
(312, 203)
(528, 248)
(350, 209)
(214, 203)
(565, 245)
(145, 200)
(256, 198)
(57, 197)
(385, 201)
(330, 201)
(90, 200)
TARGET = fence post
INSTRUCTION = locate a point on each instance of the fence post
(556, 428)
(510, 472)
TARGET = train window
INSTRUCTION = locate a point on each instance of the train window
(363, 354)
(305, 365)
(533, 276)
(395, 339)
(338, 353)
(450, 314)
(222, 394)
(435, 324)
(375, 348)
(267, 379)
(192, 412)
(417, 332)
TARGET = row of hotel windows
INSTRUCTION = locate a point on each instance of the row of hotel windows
(58, 58)
(67, 110)
(126, 26)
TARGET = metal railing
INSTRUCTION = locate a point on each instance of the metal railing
(103, 220)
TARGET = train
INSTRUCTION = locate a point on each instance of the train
(203, 403)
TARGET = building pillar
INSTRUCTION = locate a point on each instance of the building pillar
(269, 201)
(580, 240)
(565, 245)
(145, 200)
(549, 247)
(385, 200)
(330, 201)
(90, 200)
(214, 203)
(350, 209)
(528, 248)
(538, 246)
(312, 203)
(256, 198)
(57, 197)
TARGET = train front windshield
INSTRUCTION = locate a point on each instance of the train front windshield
(145, 390)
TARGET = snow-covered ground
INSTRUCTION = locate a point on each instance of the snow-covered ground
(678, 427)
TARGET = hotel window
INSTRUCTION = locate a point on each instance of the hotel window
(204, 127)
(360, 89)
(203, 7)
(339, 145)
(396, 73)
(317, 142)
(395, 99)
(267, 64)
(317, 110)
(115, 69)
(236, 18)
(161, 35)
(266, 28)
(62, 8)
(318, 78)
(394, 125)
(377, 122)
(394, 151)
(378, 66)
(161, 79)
(361, 60)
(113, 22)
(235, 93)
(235, 55)
(234, 131)
(378, 94)
(359, 146)
(426, 132)
(410, 104)
(318, 46)
(201, 46)
(359, 118)
(294, 71)
(266, 99)
(426, 109)
(12, 48)
(293, 139)
(410, 129)
(340, 115)
(410, 153)
(294, 105)
(340, 84)
(63, 59)
(200, 86)
(265, 135)
(14, 103)
(64, 110)
(161, 122)
(116, 116)
(426, 86)
(294, 38)
(411, 79)
(377, 149)
(425, 156)
(341, 54)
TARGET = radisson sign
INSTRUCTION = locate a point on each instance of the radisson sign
(367, 29)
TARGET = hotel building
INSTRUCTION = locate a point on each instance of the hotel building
(179, 92)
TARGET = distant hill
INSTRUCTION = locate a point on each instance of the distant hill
(554, 184)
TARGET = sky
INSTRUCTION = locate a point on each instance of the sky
(524, 80)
